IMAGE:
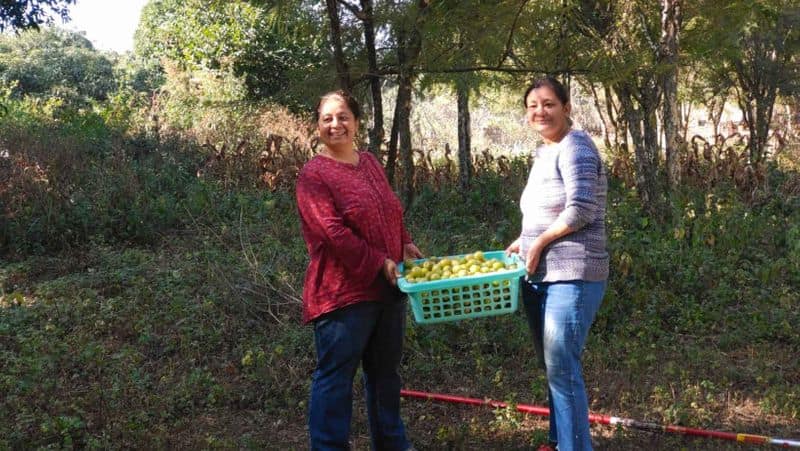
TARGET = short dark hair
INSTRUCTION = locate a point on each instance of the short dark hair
(348, 99)
(550, 82)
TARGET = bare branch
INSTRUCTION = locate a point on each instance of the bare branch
(508, 50)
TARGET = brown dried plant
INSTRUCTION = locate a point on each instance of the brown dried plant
(269, 152)
(707, 164)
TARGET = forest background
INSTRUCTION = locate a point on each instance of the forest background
(150, 256)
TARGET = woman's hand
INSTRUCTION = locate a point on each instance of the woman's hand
(390, 271)
(532, 259)
(513, 248)
(411, 251)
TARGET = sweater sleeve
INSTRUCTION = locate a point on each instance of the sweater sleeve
(326, 232)
(579, 166)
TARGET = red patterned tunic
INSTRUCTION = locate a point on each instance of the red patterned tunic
(351, 221)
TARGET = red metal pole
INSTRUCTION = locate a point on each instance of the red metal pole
(604, 419)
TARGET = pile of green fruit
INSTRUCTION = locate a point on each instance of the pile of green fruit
(441, 268)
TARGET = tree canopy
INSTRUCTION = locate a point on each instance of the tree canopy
(52, 61)
(271, 49)
(21, 14)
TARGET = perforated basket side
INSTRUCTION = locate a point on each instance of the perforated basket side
(471, 300)
(467, 297)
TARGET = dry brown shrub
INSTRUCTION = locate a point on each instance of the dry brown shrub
(621, 165)
(288, 143)
(439, 169)
(707, 164)
(38, 170)
(21, 180)
(265, 148)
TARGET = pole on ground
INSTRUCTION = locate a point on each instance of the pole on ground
(610, 420)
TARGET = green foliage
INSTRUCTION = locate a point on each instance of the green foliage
(70, 179)
(196, 98)
(196, 33)
(146, 340)
(270, 49)
(753, 46)
(55, 63)
(488, 215)
(138, 74)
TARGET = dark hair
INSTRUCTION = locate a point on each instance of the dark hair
(349, 100)
(550, 82)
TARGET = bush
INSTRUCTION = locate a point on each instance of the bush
(68, 178)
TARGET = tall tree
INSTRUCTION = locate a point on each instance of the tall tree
(671, 17)
(465, 51)
(755, 44)
(275, 48)
(342, 71)
(626, 58)
(366, 15)
(408, 38)
(464, 137)
(376, 131)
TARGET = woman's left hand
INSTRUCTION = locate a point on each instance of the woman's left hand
(410, 250)
(532, 258)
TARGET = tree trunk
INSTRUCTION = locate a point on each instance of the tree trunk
(668, 54)
(649, 106)
(758, 79)
(400, 138)
(617, 119)
(716, 107)
(464, 137)
(685, 115)
(642, 127)
(764, 108)
(391, 151)
(409, 47)
(607, 125)
(757, 105)
(403, 121)
(342, 71)
(376, 132)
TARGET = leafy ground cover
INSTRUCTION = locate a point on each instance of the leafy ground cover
(193, 340)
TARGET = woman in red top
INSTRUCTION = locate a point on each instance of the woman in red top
(353, 228)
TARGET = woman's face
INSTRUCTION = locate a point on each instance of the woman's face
(546, 114)
(336, 125)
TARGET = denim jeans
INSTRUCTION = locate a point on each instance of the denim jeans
(560, 315)
(367, 333)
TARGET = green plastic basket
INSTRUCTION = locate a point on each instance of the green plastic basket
(466, 297)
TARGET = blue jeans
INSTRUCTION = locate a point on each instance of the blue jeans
(560, 315)
(367, 333)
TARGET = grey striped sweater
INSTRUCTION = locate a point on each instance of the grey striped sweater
(567, 182)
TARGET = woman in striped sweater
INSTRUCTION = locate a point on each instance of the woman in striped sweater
(563, 242)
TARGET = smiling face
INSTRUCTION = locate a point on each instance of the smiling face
(547, 114)
(336, 125)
